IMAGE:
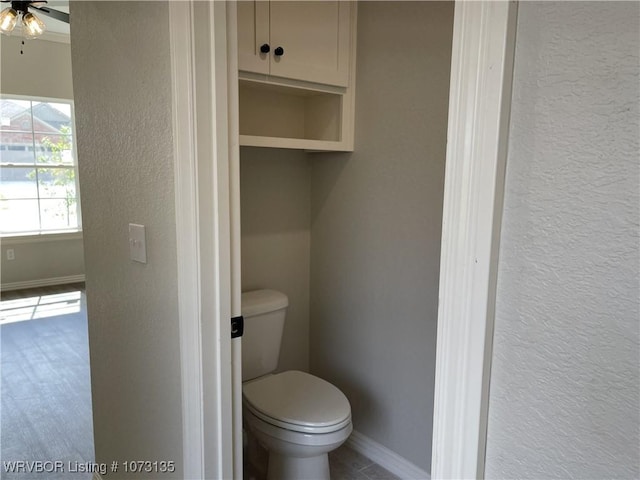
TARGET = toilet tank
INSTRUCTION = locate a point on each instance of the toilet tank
(264, 312)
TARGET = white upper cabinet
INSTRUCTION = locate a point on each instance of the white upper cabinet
(306, 40)
(253, 33)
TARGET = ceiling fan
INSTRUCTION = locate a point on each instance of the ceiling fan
(32, 26)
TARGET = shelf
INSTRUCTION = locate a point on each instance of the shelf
(297, 143)
(294, 116)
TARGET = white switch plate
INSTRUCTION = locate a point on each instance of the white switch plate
(137, 243)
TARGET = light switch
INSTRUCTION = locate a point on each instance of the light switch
(137, 243)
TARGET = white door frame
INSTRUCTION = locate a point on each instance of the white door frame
(479, 108)
(235, 233)
(207, 204)
(202, 130)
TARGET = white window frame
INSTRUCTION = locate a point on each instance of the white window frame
(61, 234)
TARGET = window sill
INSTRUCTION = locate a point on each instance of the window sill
(41, 238)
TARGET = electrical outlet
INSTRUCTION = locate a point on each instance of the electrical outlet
(11, 254)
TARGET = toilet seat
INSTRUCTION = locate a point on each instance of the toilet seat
(297, 401)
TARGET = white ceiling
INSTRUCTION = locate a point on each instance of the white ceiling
(55, 26)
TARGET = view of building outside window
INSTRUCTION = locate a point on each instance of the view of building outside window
(38, 181)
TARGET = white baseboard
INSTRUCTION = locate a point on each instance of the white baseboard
(386, 458)
(45, 282)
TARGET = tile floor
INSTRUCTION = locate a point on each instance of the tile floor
(347, 464)
(344, 464)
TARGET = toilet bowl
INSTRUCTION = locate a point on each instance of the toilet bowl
(297, 417)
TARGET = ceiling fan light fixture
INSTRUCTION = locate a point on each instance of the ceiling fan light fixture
(32, 26)
(8, 20)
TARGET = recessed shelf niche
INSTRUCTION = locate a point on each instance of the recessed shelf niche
(285, 116)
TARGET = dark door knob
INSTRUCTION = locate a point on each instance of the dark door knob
(264, 48)
(279, 51)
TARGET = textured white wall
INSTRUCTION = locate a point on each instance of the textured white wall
(276, 238)
(565, 385)
(23, 75)
(122, 83)
(376, 225)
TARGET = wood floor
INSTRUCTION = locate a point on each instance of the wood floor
(45, 412)
(45, 391)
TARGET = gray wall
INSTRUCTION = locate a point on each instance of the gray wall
(41, 259)
(275, 211)
(122, 82)
(49, 257)
(565, 382)
(43, 70)
(376, 224)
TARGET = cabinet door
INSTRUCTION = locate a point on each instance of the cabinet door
(314, 36)
(253, 32)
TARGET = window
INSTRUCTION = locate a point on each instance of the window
(38, 167)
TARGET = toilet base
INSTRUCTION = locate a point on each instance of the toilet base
(294, 455)
(295, 468)
(255, 459)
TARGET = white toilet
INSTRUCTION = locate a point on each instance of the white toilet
(296, 417)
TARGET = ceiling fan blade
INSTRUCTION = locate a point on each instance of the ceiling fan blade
(62, 16)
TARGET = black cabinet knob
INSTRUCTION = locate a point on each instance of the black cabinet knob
(265, 48)
(279, 51)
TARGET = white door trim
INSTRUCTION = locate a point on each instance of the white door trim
(483, 42)
(201, 162)
(186, 191)
(479, 107)
(234, 201)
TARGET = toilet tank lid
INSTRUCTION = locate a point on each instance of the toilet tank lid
(258, 302)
